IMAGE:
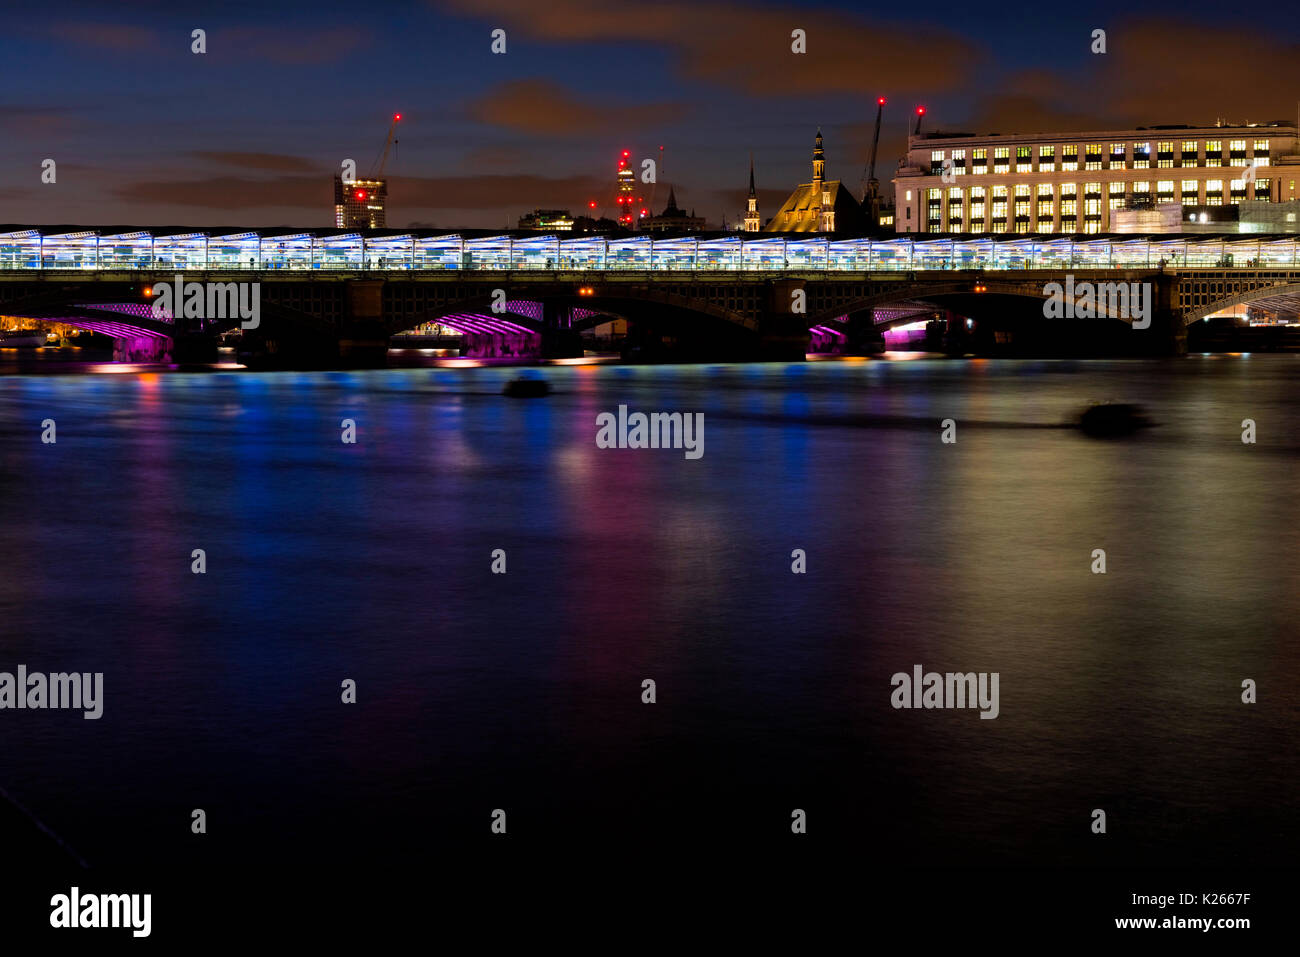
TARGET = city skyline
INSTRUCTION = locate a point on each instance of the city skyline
(540, 126)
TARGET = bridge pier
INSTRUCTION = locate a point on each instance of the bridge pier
(783, 334)
(143, 349)
(864, 339)
(1168, 334)
(558, 340)
(363, 335)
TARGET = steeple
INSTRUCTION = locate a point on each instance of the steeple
(819, 159)
(752, 221)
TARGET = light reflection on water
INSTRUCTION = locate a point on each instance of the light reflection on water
(372, 561)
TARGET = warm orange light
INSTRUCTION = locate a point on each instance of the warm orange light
(148, 291)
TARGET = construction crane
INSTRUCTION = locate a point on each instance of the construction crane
(871, 195)
(388, 143)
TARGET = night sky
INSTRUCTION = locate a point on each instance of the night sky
(145, 132)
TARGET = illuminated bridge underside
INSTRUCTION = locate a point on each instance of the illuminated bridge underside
(123, 320)
(135, 249)
(520, 317)
(903, 312)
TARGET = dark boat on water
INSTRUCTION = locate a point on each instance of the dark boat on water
(527, 388)
(1113, 419)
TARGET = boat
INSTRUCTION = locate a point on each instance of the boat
(1112, 419)
(527, 388)
(22, 339)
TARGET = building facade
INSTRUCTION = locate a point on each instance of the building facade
(1076, 182)
(547, 220)
(673, 219)
(360, 204)
(822, 206)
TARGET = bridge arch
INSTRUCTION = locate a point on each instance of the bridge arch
(634, 305)
(958, 294)
(1284, 291)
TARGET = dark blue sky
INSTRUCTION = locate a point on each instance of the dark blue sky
(143, 131)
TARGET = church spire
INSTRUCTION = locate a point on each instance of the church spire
(819, 159)
(752, 221)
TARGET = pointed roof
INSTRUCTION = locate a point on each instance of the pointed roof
(671, 209)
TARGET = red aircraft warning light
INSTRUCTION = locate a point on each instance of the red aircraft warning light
(361, 195)
(880, 101)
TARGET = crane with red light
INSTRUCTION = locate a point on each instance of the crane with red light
(360, 194)
(388, 144)
(871, 194)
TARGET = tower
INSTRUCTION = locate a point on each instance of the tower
(752, 224)
(625, 185)
(819, 162)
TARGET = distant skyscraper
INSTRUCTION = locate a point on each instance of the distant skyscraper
(752, 221)
(360, 203)
(625, 185)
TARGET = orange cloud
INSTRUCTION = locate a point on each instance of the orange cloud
(749, 47)
(543, 107)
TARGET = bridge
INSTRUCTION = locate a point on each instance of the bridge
(328, 294)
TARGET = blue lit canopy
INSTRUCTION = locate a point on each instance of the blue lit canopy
(134, 248)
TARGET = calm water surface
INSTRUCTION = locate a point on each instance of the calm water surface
(522, 691)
